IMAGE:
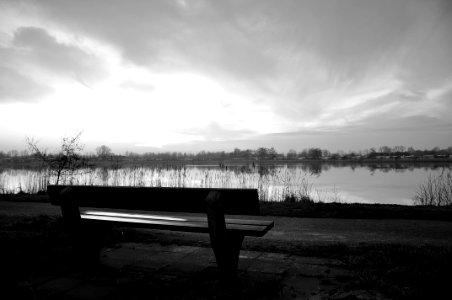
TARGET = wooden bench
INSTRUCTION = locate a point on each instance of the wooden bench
(90, 210)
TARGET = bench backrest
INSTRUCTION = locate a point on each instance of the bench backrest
(233, 201)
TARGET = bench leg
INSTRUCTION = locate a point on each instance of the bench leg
(88, 243)
(227, 252)
(83, 239)
(225, 244)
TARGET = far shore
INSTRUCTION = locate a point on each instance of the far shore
(119, 161)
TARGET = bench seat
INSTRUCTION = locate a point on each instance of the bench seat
(257, 228)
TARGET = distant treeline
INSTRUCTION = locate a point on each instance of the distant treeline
(262, 153)
(265, 154)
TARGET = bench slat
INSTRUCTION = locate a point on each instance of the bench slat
(236, 201)
(147, 215)
(186, 225)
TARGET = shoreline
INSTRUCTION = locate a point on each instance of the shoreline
(314, 209)
(124, 162)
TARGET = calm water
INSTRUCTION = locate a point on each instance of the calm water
(380, 186)
(328, 183)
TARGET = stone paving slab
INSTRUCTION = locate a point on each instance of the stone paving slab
(143, 271)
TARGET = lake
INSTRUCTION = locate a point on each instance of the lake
(348, 183)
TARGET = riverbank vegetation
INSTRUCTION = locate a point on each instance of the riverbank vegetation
(274, 184)
(311, 209)
(435, 190)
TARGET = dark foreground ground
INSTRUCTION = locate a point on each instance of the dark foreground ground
(302, 258)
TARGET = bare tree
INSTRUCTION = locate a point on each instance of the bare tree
(13, 153)
(292, 154)
(65, 161)
(103, 151)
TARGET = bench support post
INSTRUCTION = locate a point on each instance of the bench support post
(226, 245)
(85, 241)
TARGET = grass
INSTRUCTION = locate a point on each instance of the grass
(309, 209)
(31, 247)
(402, 272)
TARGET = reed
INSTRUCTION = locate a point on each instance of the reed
(435, 190)
(272, 183)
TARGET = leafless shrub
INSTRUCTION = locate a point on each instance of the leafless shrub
(67, 160)
(436, 190)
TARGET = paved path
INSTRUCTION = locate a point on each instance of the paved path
(152, 271)
(316, 230)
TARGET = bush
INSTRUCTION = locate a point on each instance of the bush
(435, 190)
(293, 198)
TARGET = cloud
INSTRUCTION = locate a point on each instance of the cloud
(444, 90)
(143, 87)
(274, 47)
(417, 131)
(41, 49)
(167, 36)
(33, 61)
(15, 86)
(420, 132)
(426, 54)
(216, 132)
(412, 124)
(272, 66)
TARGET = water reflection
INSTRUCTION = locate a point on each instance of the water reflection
(394, 183)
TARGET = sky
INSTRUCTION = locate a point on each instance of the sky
(180, 75)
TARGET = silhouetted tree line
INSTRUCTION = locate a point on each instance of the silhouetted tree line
(262, 153)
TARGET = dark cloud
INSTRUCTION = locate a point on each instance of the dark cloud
(34, 56)
(413, 124)
(165, 35)
(417, 131)
(40, 48)
(34, 50)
